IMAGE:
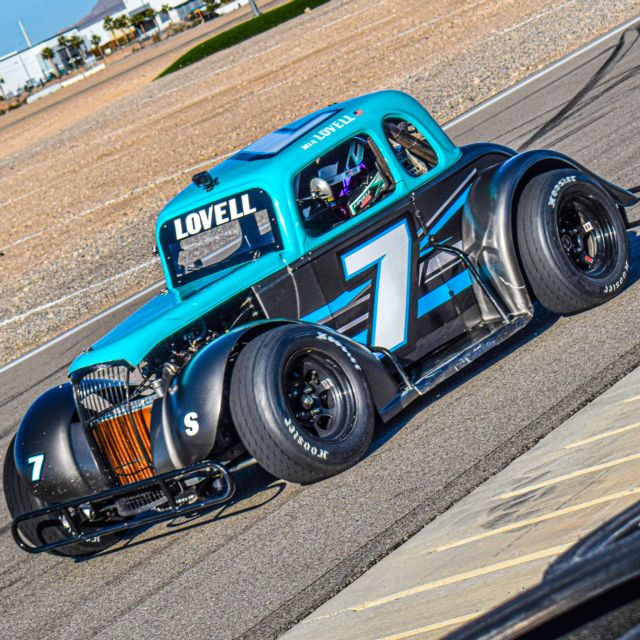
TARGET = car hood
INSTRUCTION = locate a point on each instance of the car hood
(169, 312)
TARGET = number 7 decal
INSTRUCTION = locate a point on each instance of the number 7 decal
(390, 253)
(37, 462)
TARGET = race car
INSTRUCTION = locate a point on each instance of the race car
(317, 282)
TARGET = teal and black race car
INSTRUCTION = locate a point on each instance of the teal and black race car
(317, 281)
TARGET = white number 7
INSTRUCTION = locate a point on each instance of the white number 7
(390, 252)
(37, 462)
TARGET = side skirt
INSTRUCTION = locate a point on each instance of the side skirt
(448, 361)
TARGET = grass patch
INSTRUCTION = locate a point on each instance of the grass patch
(242, 32)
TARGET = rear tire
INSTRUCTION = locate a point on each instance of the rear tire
(572, 241)
(300, 404)
(43, 530)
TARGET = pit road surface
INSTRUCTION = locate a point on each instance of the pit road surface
(252, 569)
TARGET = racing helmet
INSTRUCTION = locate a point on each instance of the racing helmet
(353, 165)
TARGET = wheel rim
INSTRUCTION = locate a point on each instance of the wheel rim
(587, 235)
(319, 395)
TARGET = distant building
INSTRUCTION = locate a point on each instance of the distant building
(29, 68)
(183, 8)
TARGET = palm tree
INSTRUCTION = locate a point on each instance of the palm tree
(48, 55)
(95, 42)
(109, 25)
(63, 41)
(121, 23)
(76, 42)
(166, 8)
(137, 22)
(211, 5)
(150, 14)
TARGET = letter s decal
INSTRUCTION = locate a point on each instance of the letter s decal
(191, 425)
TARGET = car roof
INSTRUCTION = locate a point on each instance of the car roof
(289, 148)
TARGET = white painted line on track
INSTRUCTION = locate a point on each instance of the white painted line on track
(80, 327)
(483, 105)
(435, 626)
(95, 285)
(536, 76)
(568, 476)
(537, 16)
(103, 314)
(519, 524)
(117, 200)
(551, 552)
(602, 436)
(436, 20)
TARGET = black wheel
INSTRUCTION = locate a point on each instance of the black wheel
(572, 241)
(43, 530)
(300, 404)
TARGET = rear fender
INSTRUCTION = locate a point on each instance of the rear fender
(184, 423)
(518, 170)
(488, 224)
(54, 454)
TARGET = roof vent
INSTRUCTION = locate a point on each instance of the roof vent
(204, 180)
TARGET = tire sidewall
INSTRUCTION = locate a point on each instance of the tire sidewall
(299, 445)
(559, 186)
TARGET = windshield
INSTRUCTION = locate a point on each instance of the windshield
(222, 234)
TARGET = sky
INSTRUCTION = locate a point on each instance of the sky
(41, 18)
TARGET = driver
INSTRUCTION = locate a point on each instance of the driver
(353, 187)
(342, 183)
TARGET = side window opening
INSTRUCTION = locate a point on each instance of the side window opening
(341, 184)
(410, 147)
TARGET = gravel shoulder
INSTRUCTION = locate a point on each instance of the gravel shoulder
(83, 175)
(250, 570)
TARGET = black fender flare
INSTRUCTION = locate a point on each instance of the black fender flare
(488, 226)
(70, 466)
(528, 164)
(184, 423)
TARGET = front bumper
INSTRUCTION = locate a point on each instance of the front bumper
(171, 486)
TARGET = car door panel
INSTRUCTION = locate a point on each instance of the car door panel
(381, 283)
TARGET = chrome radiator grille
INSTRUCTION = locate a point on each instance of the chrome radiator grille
(118, 422)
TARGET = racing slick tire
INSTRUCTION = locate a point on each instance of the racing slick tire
(300, 404)
(572, 241)
(45, 529)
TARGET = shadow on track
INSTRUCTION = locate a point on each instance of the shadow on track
(251, 483)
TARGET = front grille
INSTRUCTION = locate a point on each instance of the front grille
(119, 418)
(139, 502)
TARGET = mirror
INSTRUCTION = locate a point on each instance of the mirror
(320, 189)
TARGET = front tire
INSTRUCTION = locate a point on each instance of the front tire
(43, 530)
(572, 241)
(300, 404)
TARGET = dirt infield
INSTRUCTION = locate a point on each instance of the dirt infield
(84, 172)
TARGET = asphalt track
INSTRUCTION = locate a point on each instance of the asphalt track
(252, 569)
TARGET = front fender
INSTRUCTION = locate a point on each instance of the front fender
(184, 423)
(54, 454)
